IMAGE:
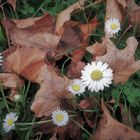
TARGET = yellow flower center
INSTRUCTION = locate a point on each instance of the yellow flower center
(96, 75)
(76, 87)
(114, 26)
(59, 117)
(10, 122)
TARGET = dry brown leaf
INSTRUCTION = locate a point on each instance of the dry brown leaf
(53, 88)
(71, 131)
(12, 3)
(71, 37)
(133, 10)
(76, 64)
(38, 32)
(112, 10)
(29, 62)
(80, 37)
(123, 3)
(10, 80)
(121, 61)
(74, 70)
(96, 49)
(110, 129)
(134, 13)
(65, 14)
(84, 104)
(25, 23)
(26, 62)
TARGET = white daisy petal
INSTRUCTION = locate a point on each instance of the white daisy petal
(77, 87)
(96, 76)
(60, 117)
(9, 121)
(112, 26)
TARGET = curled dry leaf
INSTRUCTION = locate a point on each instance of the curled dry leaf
(110, 129)
(134, 13)
(123, 3)
(11, 81)
(38, 32)
(132, 10)
(12, 3)
(65, 15)
(121, 61)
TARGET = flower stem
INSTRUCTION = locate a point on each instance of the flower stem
(5, 101)
(39, 122)
(33, 123)
(81, 127)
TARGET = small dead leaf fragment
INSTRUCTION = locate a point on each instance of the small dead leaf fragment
(121, 61)
(76, 64)
(84, 104)
(75, 69)
(65, 14)
(110, 129)
(96, 49)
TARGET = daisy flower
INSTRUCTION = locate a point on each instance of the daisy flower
(9, 121)
(60, 117)
(96, 76)
(1, 59)
(112, 26)
(76, 87)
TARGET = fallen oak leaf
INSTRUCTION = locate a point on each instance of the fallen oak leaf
(110, 129)
(48, 97)
(121, 61)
